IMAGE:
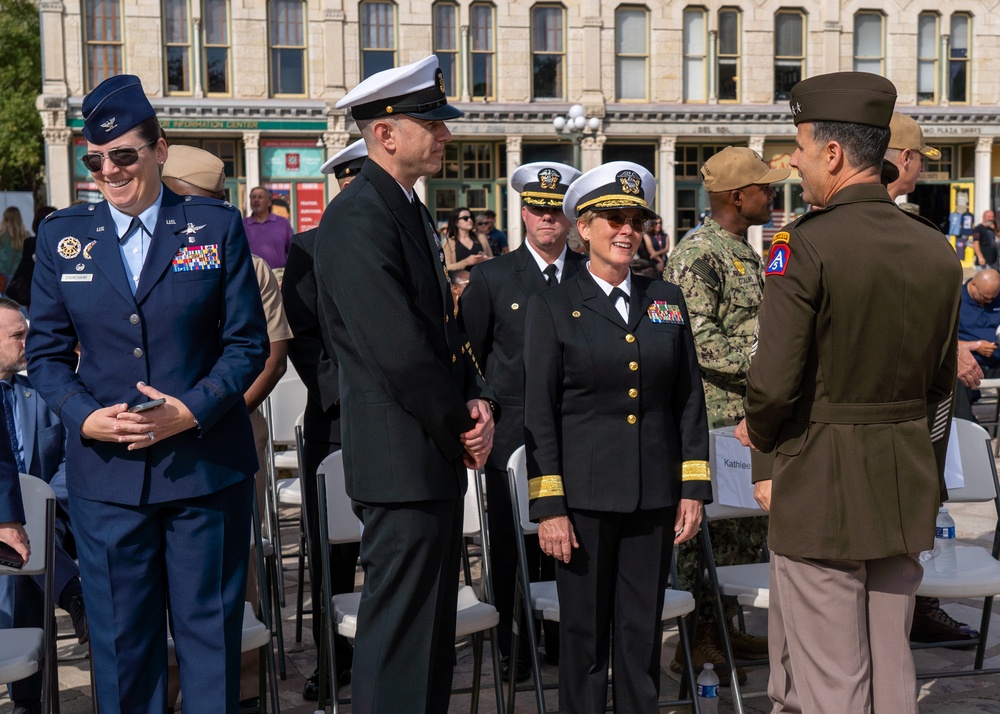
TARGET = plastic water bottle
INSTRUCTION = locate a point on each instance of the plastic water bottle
(944, 543)
(708, 690)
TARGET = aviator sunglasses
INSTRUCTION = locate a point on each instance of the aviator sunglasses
(119, 157)
(617, 220)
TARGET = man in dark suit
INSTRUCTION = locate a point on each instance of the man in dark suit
(414, 408)
(160, 295)
(313, 359)
(38, 445)
(491, 313)
(11, 509)
(855, 404)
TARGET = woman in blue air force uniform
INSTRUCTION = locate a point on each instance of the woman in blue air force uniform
(617, 444)
(160, 294)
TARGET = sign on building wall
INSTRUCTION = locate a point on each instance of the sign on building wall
(290, 159)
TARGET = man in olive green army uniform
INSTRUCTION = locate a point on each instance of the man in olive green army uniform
(850, 387)
(722, 278)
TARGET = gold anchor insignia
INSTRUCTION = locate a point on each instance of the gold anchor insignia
(548, 178)
(630, 181)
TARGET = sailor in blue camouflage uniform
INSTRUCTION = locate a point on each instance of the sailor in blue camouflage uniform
(160, 295)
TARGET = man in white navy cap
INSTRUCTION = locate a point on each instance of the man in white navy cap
(313, 360)
(492, 313)
(346, 163)
(416, 411)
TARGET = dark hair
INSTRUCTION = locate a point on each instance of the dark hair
(489, 213)
(863, 145)
(452, 232)
(40, 215)
(149, 130)
(642, 266)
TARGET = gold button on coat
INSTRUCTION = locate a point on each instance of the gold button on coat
(633, 393)
(630, 338)
(631, 419)
(453, 359)
(633, 366)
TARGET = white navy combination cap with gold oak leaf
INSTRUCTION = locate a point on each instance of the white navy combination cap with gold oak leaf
(616, 184)
(543, 183)
(348, 161)
(416, 90)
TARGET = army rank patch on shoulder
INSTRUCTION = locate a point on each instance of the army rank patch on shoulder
(202, 257)
(777, 261)
(661, 311)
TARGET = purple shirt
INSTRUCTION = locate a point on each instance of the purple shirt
(270, 239)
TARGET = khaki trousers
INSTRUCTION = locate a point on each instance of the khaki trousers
(839, 635)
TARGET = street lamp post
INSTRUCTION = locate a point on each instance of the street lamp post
(576, 124)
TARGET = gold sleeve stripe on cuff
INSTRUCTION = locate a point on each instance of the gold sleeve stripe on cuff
(695, 471)
(545, 486)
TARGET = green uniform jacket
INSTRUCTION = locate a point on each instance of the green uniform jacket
(852, 378)
(722, 279)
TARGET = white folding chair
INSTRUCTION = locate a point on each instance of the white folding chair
(27, 650)
(977, 573)
(340, 612)
(541, 599)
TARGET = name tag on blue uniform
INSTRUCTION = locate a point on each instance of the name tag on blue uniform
(201, 257)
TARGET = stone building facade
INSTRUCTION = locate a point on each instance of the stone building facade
(668, 83)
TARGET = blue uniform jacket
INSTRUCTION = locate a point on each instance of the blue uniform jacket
(195, 329)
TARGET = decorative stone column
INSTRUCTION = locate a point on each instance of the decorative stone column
(514, 235)
(666, 198)
(251, 159)
(591, 151)
(755, 234)
(984, 181)
(59, 166)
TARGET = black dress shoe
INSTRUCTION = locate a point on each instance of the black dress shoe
(27, 707)
(311, 691)
(78, 614)
(523, 670)
(250, 706)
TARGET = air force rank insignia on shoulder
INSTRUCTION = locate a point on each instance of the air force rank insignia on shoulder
(664, 312)
(777, 261)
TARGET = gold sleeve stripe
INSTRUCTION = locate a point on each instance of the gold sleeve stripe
(695, 471)
(544, 486)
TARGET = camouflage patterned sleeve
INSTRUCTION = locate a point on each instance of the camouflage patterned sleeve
(697, 273)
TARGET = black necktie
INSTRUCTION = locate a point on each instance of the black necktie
(613, 297)
(8, 413)
(550, 275)
(133, 227)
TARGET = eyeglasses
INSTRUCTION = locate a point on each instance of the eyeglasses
(617, 220)
(482, 223)
(464, 218)
(119, 157)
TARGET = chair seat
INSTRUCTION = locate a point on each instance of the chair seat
(545, 600)
(255, 635)
(287, 460)
(21, 652)
(473, 615)
(761, 600)
(977, 574)
(752, 580)
(676, 603)
(290, 491)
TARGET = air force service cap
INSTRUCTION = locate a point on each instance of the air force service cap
(116, 106)
(738, 166)
(348, 161)
(854, 97)
(416, 90)
(905, 133)
(195, 166)
(543, 183)
(617, 184)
